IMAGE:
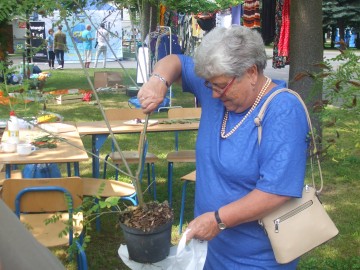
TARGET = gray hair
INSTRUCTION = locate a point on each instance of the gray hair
(229, 51)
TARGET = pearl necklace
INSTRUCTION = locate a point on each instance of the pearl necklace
(226, 116)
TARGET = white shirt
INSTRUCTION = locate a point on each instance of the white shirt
(102, 35)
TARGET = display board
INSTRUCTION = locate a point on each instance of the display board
(37, 32)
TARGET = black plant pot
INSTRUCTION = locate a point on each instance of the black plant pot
(148, 247)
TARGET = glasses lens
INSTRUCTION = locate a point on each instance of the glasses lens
(208, 84)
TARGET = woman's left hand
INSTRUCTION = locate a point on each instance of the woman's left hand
(203, 227)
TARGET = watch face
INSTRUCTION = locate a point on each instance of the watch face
(222, 226)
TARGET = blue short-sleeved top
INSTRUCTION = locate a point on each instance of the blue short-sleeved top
(86, 35)
(228, 169)
(50, 43)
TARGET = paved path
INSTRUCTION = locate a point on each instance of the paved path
(109, 64)
(281, 74)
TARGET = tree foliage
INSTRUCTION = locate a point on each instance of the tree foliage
(341, 12)
(190, 6)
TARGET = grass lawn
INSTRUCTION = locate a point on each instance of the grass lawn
(340, 169)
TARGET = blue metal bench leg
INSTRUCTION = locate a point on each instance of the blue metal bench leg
(182, 209)
(148, 177)
(117, 172)
(153, 179)
(68, 167)
(132, 199)
(105, 166)
(81, 257)
(170, 176)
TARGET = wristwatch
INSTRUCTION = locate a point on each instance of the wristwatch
(221, 225)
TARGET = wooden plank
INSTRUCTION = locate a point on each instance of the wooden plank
(68, 101)
(69, 97)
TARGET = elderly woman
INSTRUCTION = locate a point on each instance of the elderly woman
(87, 38)
(238, 181)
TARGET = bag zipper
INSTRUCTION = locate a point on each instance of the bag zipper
(291, 214)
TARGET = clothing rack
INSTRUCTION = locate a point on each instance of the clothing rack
(156, 37)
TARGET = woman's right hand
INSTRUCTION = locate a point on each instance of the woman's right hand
(204, 227)
(151, 94)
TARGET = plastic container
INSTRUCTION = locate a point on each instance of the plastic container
(13, 128)
(132, 91)
(29, 68)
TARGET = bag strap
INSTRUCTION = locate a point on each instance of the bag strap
(258, 122)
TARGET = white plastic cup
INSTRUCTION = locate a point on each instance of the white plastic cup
(8, 147)
(25, 149)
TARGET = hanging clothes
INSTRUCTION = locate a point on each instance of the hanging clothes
(163, 47)
(278, 61)
(195, 27)
(285, 30)
(206, 21)
(251, 13)
(187, 34)
(223, 18)
(236, 14)
(162, 15)
(268, 21)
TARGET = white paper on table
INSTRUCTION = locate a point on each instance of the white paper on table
(57, 127)
(140, 122)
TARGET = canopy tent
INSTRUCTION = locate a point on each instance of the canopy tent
(106, 13)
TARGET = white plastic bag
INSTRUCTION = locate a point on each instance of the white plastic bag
(191, 256)
(181, 257)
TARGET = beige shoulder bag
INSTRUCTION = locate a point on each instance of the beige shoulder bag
(300, 224)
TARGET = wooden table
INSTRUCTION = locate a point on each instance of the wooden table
(70, 151)
(99, 132)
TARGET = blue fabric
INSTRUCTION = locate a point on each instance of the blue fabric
(164, 46)
(134, 101)
(228, 169)
(47, 170)
(50, 43)
(236, 14)
(86, 35)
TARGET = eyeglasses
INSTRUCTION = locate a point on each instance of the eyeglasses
(220, 91)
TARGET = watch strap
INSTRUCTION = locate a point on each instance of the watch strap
(217, 217)
(221, 225)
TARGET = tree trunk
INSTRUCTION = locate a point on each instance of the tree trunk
(341, 29)
(306, 49)
(149, 14)
(333, 36)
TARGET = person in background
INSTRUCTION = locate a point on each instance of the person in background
(60, 47)
(238, 180)
(87, 38)
(102, 37)
(50, 48)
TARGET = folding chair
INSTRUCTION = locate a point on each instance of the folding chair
(191, 177)
(37, 200)
(131, 157)
(180, 156)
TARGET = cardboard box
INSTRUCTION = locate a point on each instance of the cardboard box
(106, 79)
